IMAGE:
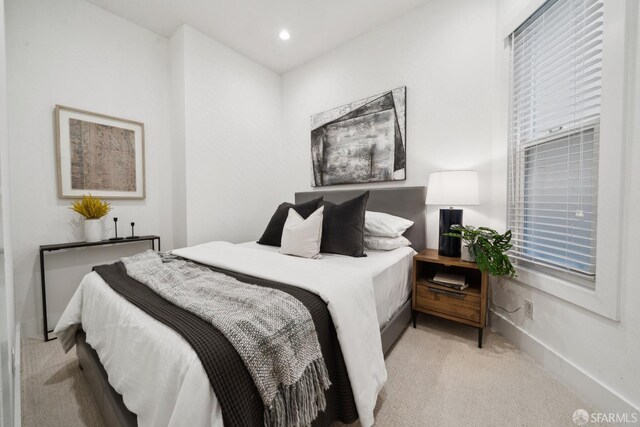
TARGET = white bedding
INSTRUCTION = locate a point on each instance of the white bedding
(160, 377)
(155, 370)
(389, 270)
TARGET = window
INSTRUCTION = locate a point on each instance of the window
(556, 73)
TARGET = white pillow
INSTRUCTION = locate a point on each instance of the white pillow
(301, 237)
(379, 243)
(382, 224)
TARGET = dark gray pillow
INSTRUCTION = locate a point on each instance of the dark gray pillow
(343, 227)
(272, 235)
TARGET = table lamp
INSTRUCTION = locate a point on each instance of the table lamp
(452, 188)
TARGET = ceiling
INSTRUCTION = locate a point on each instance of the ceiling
(251, 27)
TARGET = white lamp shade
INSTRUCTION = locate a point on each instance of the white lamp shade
(453, 188)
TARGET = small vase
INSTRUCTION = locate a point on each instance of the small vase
(468, 254)
(93, 230)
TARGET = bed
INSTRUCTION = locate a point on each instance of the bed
(187, 397)
(390, 270)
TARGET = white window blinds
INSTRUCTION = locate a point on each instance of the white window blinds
(556, 58)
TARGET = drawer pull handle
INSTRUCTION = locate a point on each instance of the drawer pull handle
(447, 293)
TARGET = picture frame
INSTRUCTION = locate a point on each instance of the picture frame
(361, 142)
(98, 154)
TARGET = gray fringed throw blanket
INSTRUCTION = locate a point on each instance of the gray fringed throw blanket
(272, 332)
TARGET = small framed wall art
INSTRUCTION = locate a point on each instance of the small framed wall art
(98, 154)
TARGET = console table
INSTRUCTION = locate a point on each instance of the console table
(73, 245)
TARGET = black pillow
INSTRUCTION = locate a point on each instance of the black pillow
(343, 227)
(272, 235)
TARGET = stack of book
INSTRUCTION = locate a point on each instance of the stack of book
(453, 281)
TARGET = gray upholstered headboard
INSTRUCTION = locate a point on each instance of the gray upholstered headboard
(406, 202)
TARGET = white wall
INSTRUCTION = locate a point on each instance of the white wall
(178, 138)
(444, 54)
(214, 154)
(234, 154)
(7, 315)
(73, 53)
(595, 356)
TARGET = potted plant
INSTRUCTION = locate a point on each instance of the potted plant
(93, 210)
(486, 247)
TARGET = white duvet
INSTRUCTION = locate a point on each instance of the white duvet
(160, 377)
(389, 270)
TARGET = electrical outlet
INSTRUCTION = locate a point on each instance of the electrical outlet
(528, 308)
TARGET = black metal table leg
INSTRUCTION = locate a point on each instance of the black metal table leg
(414, 314)
(73, 245)
(44, 298)
(480, 337)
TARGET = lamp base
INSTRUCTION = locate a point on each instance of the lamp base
(449, 246)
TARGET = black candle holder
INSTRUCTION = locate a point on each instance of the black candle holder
(133, 234)
(115, 226)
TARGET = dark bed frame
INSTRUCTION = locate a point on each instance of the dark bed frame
(407, 202)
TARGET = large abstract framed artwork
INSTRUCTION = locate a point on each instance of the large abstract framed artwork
(99, 154)
(361, 142)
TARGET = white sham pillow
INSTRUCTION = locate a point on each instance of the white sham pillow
(301, 237)
(379, 243)
(382, 224)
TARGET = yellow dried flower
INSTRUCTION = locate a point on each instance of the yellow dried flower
(90, 207)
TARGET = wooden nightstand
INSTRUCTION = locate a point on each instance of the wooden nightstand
(468, 306)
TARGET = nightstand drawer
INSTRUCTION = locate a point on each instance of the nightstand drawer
(462, 305)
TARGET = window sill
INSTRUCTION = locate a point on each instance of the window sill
(588, 299)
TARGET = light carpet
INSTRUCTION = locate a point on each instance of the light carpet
(437, 377)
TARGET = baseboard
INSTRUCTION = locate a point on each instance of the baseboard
(31, 328)
(17, 388)
(601, 397)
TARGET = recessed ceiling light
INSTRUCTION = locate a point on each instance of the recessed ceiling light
(284, 35)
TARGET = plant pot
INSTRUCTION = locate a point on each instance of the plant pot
(93, 230)
(468, 253)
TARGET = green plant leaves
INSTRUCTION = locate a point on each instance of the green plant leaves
(489, 248)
